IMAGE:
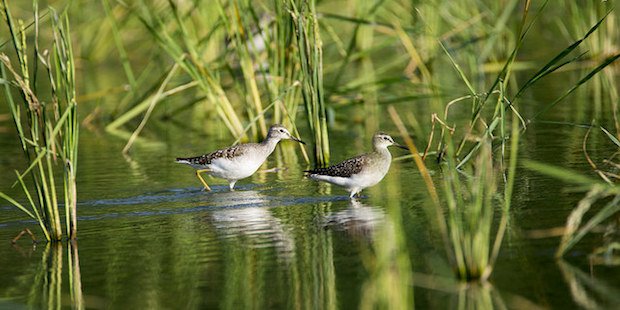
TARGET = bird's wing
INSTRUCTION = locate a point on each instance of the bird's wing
(345, 168)
(227, 152)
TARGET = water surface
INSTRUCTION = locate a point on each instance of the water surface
(150, 237)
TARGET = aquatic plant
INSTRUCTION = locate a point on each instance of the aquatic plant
(470, 196)
(238, 56)
(186, 50)
(310, 51)
(471, 199)
(597, 190)
(44, 111)
(470, 188)
(604, 190)
(469, 170)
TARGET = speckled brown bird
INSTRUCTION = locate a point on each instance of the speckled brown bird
(237, 162)
(359, 172)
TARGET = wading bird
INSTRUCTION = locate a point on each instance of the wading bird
(359, 172)
(237, 162)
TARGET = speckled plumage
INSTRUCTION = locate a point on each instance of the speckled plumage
(344, 168)
(359, 172)
(227, 152)
(238, 161)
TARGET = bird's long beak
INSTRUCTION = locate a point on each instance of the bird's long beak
(295, 139)
(400, 146)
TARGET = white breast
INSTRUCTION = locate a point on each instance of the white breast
(235, 168)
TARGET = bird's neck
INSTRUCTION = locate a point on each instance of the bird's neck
(380, 148)
(269, 143)
(382, 151)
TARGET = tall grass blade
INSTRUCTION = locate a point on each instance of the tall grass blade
(372, 11)
(120, 46)
(430, 186)
(187, 57)
(152, 104)
(592, 73)
(504, 74)
(597, 190)
(551, 65)
(611, 137)
(458, 69)
(17, 204)
(560, 173)
(47, 129)
(311, 60)
(235, 26)
(508, 190)
(573, 233)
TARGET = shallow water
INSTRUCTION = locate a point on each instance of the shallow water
(150, 237)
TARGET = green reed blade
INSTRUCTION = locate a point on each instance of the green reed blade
(563, 174)
(611, 137)
(120, 46)
(311, 61)
(242, 35)
(13, 108)
(551, 65)
(352, 43)
(152, 104)
(504, 73)
(430, 186)
(33, 163)
(188, 58)
(606, 212)
(592, 73)
(17, 204)
(51, 128)
(36, 210)
(540, 75)
(15, 38)
(458, 69)
(487, 132)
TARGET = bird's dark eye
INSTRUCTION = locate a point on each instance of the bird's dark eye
(282, 130)
(386, 138)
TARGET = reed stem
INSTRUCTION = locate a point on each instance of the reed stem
(311, 60)
(47, 129)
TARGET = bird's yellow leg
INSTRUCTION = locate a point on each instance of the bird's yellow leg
(198, 172)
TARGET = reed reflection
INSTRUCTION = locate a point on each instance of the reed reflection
(588, 290)
(47, 288)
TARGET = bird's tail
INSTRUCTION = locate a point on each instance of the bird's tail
(316, 171)
(181, 160)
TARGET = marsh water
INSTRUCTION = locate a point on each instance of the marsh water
(151, 238)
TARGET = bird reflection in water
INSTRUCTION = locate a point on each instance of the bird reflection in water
(358, 220)
(246, 215)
